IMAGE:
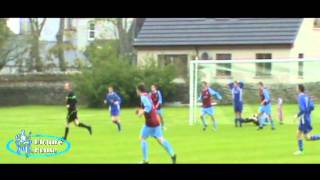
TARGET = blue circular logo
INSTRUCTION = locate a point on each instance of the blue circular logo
(25, 145)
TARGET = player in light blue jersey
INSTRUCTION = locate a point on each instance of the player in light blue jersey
(306, 106)
(265, 106)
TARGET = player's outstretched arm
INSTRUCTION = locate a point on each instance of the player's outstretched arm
(241, 84)
(215, 93)
(230, 85)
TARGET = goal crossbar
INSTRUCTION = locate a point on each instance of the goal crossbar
(193, 76)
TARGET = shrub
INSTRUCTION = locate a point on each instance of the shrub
(109, 68)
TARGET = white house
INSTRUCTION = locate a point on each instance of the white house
(79, 31)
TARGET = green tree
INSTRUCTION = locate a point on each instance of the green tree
(107, 67)
(5, 35)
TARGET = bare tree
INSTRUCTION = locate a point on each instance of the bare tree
(124, 33)
(36, 27)
(60, 43)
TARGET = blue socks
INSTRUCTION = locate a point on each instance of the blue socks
(300, 144)
(215, 124)
(165, 144)
(315, 137)
(168, 147)
(260, 120)
(144, 148)
(272, 124)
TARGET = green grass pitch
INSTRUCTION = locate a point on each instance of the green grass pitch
(192, 145)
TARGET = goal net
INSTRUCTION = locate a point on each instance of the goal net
(280, 76)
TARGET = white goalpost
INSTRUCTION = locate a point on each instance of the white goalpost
(281, 74)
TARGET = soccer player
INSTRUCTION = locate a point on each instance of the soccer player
(306, 106)
(237, 93)
(156, 98)
(71, 101)
(207, 108)
(114, 101)
(265, 106)
(253, 119)
(280, 111)
(152, 125)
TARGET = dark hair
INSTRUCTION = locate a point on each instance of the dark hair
(142, 88)
(301, 87)
(204, 82)
(261, 83)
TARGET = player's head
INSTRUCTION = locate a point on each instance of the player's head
(141, 88)
(237, 83)
(67, 86)
(301, 88)
(110, 88)
(154, 87)
(261, 85)
(204, 84)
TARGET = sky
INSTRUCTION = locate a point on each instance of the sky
(49, 31)
(13, 24)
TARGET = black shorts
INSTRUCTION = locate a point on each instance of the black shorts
(73, 115)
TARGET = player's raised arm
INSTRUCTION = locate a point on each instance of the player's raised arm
(241, 84)
(215, 93)
(230, 85)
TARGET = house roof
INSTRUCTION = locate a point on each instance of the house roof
(218, 31)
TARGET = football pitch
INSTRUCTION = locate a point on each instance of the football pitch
(191, 144)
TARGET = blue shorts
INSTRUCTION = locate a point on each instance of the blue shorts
(115, 111)
(159, 111)
(305, 127)
(147, 131)
(238, 107)
(265, 109)
(208, 110)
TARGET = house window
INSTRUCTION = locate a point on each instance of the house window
(180, 61)
(316, 23)
(300, 66)
(92, 28)
(205, 56)
(263, 69)
(223, 69)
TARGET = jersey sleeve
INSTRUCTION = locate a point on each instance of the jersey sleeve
(266, 95)
(215, 93)
(71, 99)
(230, 85)
(200, 98)
(302, 105)
(117, 98)
(159, 97)
(146, 103)
(108, 99)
